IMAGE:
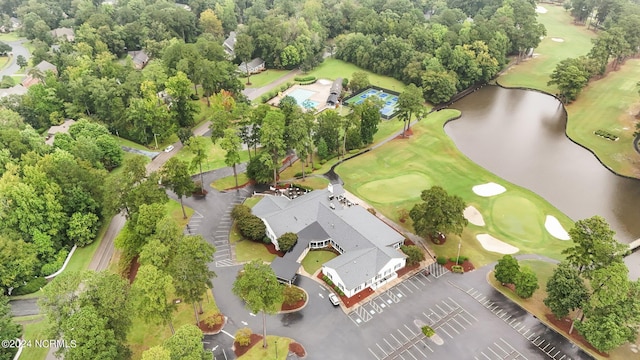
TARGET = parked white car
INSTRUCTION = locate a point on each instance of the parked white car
(169, 148)
(334, 299)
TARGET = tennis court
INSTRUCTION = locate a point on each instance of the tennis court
(389, 100)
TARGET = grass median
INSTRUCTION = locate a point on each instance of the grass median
(392, 177)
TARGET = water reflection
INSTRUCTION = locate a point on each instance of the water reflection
(519, 136)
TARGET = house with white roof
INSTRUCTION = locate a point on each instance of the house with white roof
(369, 249)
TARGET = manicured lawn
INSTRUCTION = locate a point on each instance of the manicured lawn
(333, 68)
(11, 36)
(174, 210)
(609, 104)
(230, 181)
(247, 250)
(215, 157)
(314, 260)
(134, 145)
(34, 330)
(535, 72)
(252, 201)
(257, 352)
(264, 78)
(143, 336)
(392, 177)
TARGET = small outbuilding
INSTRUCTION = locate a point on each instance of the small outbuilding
(334, 92)
(64, 33)
(139, 58)
(63, 128)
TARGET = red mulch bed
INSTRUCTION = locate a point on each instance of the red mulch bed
(294, 306)
(406, 269)
(251, 181)
(440, 241)
(241, 350)
(407, 134)
(564, 325)
(408, 242)
(297, 349)
(215, 329)
(466, 265)
(133, 269)
(272, 250)
(350, 301)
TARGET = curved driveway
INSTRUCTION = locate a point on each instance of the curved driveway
(18, 49)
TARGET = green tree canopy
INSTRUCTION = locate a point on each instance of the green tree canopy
(287, 241)
(507, 269)
(258, 286)
(526, 282)
(594, 246)
(175, 175)
(566, 291)
(438, 213)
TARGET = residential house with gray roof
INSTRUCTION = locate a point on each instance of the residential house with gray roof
(369, 250)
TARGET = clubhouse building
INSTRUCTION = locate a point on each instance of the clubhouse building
(369, 250)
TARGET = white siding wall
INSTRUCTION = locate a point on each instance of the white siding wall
(271, 235)
(387, 273)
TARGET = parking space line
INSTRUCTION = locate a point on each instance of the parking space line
(392, 347)
(410, 331)
(418, 280)
(462, 326)
(465, 319)
(396, 339)
(500, 347)
(374, 354)
(424, 356)
(413, 356)
(452, 328)
(406, 287)
(403, 335)
(561, 357)
(380, 347)
(425, 345)
(490, 349)
(445, 331)
(545, 348)
(485, 355)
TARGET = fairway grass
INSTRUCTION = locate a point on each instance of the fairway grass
(609, 104)
(333, 68)
(535, 72)
(402, 168)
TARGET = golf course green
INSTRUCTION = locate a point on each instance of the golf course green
(391, 178)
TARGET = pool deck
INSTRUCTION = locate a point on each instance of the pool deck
(321, 89)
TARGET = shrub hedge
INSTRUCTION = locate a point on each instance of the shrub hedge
(30, 287)
(441, 260)
(428, 331)
(304, 78)
(606, 135)
(457, 269)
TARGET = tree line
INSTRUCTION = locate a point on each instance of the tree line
(617, 23)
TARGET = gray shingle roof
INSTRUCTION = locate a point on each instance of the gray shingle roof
(366, 241)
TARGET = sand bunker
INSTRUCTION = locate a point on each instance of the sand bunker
(489, 189)
(541, 10)
(473, 215)
(490, 243)
(557, 39)
(554, 228)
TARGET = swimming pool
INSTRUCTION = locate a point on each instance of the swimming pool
(302, 98)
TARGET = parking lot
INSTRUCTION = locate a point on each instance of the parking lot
(447, 318)
(526, 325)
(414, 284)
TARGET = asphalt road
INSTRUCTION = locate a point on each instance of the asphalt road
(18, 49)
(481, 323)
